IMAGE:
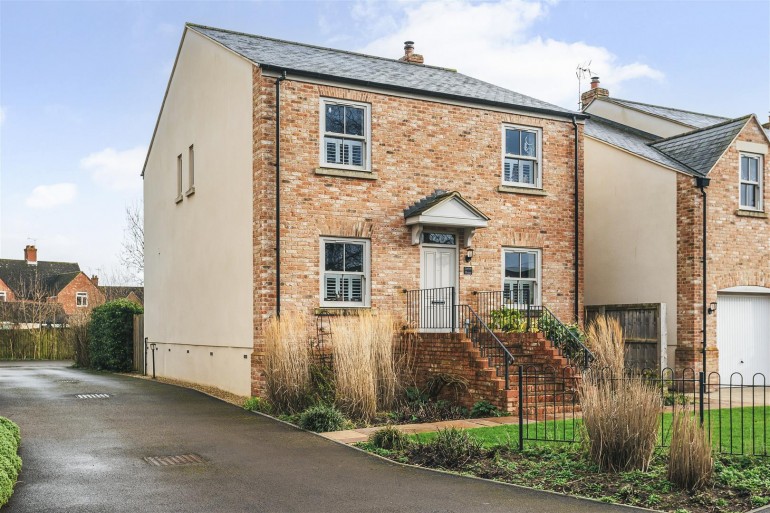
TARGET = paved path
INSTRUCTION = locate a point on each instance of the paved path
(86, 455)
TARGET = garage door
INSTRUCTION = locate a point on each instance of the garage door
(743, 336)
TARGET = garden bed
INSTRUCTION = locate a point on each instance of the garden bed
(739, 484)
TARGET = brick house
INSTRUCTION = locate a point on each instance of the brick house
(391, 176)
(63, 283)
(648, 170)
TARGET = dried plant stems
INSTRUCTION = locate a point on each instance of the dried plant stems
(690, 463)
(364, 370)
(287, 361)
(604, 337)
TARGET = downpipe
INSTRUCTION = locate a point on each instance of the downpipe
(278, 193)
(702, 183)
(577, 224)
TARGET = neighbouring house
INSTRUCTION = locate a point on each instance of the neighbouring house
(43, 282)
(283, 176)
(649, 170)
(135, 294)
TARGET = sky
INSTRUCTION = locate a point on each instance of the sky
(81, 83)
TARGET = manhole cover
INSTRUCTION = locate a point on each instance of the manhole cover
(93, 396)
(68, 381)
(167, 461)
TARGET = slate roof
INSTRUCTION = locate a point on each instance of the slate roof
(356, 68)
(121, 292)
(21, 277)
(700, 149)
(685, 117)
(631, 140)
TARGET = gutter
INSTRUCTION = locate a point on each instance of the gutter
(278, 193)
(422, 92)
(577, 225)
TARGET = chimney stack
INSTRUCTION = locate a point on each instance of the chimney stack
(594, 92)
(767, 125)
(95, 280)
(409, 55)
(30, 254)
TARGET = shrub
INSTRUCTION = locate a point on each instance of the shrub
(322, 418)
(78, 323)
(428, 411)
(690, 463)
(451, 448)
(257, 404)
(365, 375)
(10, 463)
(390, 438)
(287, 362)
(111, 335)
(507, 320)
(484, 409)
(604, 337)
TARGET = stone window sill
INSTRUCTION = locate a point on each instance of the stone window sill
(190, 191)
(346, 173)
(751, 213)
(510, 189)
(342, 311)
(179, 199)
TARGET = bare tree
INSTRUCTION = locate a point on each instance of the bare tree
(132, 255)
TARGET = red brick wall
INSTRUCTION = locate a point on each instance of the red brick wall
(738, 251)
(417, 147)
(9, 296)
(81, 283)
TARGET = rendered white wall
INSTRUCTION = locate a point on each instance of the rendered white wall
(199, 252)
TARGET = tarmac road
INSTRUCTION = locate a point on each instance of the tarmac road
(87, 455)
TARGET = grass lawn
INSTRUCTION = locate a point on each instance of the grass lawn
(734, 431)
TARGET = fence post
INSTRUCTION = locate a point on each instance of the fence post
(521, 407)
(702, 390)
(454, 314)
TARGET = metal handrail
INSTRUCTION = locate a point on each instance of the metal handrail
(588, 356)
(507, 356)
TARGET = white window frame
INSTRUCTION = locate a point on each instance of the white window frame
(538, 159)
(81, 299)
(538, 280)
(3, 296)
(366, 138)
(367, 285)
(760, 189)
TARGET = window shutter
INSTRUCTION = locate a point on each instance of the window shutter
(331, 152)
(331, 285)
(358, 155)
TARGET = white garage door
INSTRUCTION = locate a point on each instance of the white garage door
(743, 336)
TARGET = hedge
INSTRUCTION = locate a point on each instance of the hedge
(111, 335)
(10, 463)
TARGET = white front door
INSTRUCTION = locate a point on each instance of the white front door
(743, 337)
(437, 298)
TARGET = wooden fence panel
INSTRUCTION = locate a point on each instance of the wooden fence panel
(643, 329)
(37, 344)
(139, 343)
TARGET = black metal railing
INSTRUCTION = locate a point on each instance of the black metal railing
(735, 411)
(435, 310)
(503, 314)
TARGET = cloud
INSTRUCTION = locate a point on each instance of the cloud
(50, 196)
(495, 42)
(117, 170)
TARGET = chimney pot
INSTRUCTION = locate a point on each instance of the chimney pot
(30, 254)
(95, 280)
(594, 82)
(409, 55)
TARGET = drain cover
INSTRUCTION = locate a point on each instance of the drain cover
(167, 461)
(93, 396)
(68, 381)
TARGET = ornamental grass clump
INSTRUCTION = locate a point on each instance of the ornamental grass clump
(690, 463)
(620, 413)
(364, 370)
(287, 362)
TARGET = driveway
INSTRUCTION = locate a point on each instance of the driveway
(87, 455)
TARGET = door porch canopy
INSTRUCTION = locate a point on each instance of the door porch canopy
(445, 209)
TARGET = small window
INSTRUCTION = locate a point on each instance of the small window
(521, 276)
(190, 170)
(439, 238)
(344, 272)
(751, 182)
(521, 156)
(3, 296)
(81, 299)
(179, 178)
(345, 137)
